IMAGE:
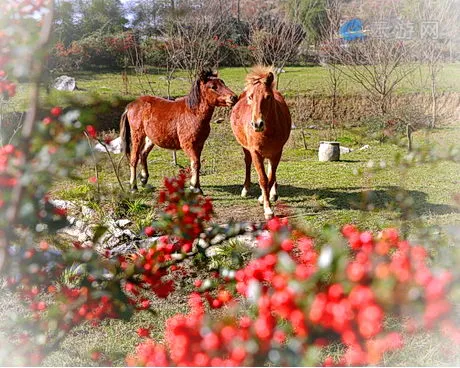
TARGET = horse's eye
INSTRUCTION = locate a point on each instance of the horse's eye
(214, 87)
(249, 97)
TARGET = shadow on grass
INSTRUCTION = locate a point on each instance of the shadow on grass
(351, 198)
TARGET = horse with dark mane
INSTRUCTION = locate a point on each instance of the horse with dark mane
(180, 124)
(261, 123)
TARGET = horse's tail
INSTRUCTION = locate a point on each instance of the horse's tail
(125, 134)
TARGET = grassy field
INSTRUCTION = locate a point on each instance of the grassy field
(312, 193)
(315, 194)
(311, 81)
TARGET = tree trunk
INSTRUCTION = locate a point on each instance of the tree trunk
(238, 10)
(434, 101)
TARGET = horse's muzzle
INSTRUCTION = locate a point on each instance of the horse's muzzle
(258, 126)
(232, 100)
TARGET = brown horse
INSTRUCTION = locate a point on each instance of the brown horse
(261, 123)
(180, 124)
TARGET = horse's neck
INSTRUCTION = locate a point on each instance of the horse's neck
(272, 121)
(203, 112)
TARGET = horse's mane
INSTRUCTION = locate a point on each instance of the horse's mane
(259, 74)
(194, 96)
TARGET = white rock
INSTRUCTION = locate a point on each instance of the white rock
(113, 147)
(329, 151)
(80, 225)
(123, 222)
(87, 212)
(344, 150)
(64, 83)
(129, 233)
(365, 147)
(82, 237)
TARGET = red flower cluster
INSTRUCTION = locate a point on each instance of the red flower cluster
(121, 43)
(185, 214)
(294, 301)
(7, 88)
(82, 304)
(73, 49)
(191, 342)
(9, 157)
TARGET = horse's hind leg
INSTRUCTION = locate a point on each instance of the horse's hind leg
(263, 182)
(195, 163)
(136, 148)
(247, 179)
(272, 183)
(148, 145)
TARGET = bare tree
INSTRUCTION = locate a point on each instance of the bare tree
(335, 78)
(381, 61)
(275, 40)
(440, 18)
(193, 39)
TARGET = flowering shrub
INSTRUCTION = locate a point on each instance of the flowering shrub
(94, 50)
(297, 295)
(305, 298)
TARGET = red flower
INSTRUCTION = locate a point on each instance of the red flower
(149, 231)
(143, 332)
(56, 111)
(47, 120)
(91, 130)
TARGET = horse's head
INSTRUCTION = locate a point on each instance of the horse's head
(259, 95)
(210, 88)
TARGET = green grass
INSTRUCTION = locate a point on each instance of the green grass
(311, 192)
(310, 81)
(317, 193)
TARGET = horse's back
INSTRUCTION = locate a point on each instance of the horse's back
(155, 117)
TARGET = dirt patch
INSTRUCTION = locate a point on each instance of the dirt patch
(251, 211)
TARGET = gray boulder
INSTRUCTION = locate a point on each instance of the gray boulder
(64, 83)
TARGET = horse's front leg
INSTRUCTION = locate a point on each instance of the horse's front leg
(263, 182)
(247, 179)
(272, 183)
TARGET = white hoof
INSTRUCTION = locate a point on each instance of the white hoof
(244, 193)
(196, 190)
(261, 199)
(268, 213)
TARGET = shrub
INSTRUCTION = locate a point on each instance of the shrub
(304, 293)
(96, 50)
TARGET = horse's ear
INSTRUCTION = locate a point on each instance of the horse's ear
(203, 76)
(269, 79)
(206, 73)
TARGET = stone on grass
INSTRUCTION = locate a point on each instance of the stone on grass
(123, 223)
(113, 147)
(329, 151)
(344, 150)
(64, 83)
